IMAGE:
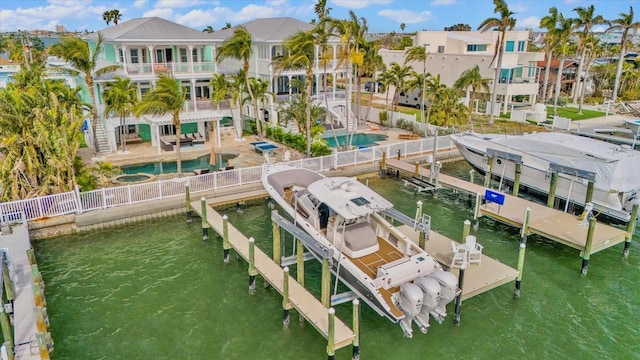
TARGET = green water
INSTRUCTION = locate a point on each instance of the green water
(168, 167)
(155, 290)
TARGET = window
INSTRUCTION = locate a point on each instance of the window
(509, 46)
(440, 49)
(144, 56)
(121, 53)
(194, 55)
(183, 55)
(474, 47)
(134, 56)
(521, 46)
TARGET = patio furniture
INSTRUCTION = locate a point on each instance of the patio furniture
(267, 147)
(459, 255)
(474, 255)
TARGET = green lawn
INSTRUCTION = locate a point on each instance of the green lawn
(572, 113)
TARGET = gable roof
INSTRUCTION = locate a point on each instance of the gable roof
(150, 29)
(267, 29)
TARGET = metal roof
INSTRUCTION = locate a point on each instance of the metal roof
(468, 39)
(266, 30)
(150, 29)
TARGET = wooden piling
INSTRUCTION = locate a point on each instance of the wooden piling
(589, 196)
(205, 224)
(551, 199)
(31, 255)
(41, 324)
(521, 252)
(631, 228)
(331, 339)
(456, 317)
(42, 346)
(7, 331)
(286, 306)
(187, 196)
(8, 284)
(325, 295)
(421, 236)
(472, 174)
(476, 211)
(252, 266)
(487, 174)
(277, 252)
(587, 249)
(416, 172)
(38, 296)
(516, 180)
(466, 229)
(383, 166)
(356, 330)
(300, 261)
(225, 239)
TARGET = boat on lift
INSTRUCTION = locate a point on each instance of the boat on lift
(614, 169)
(376, 261)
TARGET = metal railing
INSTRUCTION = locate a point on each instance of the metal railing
(79, 202)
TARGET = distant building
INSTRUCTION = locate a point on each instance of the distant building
(7, 69)
(61, 28)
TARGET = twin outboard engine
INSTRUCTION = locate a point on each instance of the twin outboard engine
(431, 299)
(448, 287)
(409, 302)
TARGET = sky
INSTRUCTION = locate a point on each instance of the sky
(381, 15)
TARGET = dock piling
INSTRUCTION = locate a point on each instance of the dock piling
(383, 166)
(356, 330)
(631, 227)
(205, 224)
(277, 252)
(31, 255)
(587, 248)
(398, 170)
(421, 236)
(476, 210)
(8, 284)
(466, 229)
(7, 331)
(589, 195)
(187, 196)
(472, 174)
(300, 261)
(521, 252)
(252, 266)
(225, 238)
(516, 180)
(286, 306)
(551, 199)
(325, 295)
(331, 346)
(416, 172)
(456, 317)
(487, 174)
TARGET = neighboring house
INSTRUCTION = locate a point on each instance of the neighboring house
(7, 69)
(568, 81)
(453, 52)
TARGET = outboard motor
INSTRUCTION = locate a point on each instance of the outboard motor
(634, 198)
(448, 287)
(409, 301)
(431, 290)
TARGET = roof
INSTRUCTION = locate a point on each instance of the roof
(267, 29)
(467, 39)
(150, 29)
(556, 62)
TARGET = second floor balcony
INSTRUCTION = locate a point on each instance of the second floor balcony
(173, 68)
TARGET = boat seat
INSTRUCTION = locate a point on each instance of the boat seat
(360, 240)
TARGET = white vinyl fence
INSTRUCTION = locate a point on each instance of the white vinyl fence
(78, 202)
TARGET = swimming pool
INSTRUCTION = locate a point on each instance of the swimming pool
(359, 139)
(168, 167)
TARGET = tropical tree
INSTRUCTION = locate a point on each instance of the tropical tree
(260, 89)
(240, 46)
(387, 79)
(593, 50)
(113, 15)
(300, 54)
(548, 22)
(471, 78)
(433, 92)
(503, 23)
(447, 110)
(402, 26)
(562, 34)
(167, 97)
(209, 29)
(120, 97)
(400, 74)
(226, 26)
(419, 53)
(373, 63)
(585, 21)
(624, 23)
(84, 62)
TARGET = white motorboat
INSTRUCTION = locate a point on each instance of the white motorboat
(370, 256)
(616, 168)
(633, 125)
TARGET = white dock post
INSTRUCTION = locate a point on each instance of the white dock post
(631, 228)
(356, 330)
(285, 298)
(331, 338)
(523, 246)
(205, 224)
(587, 248)
(187, 196)
(252, 266)
(225, 238)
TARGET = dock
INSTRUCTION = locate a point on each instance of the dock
(301, 299)
(29, 342)
(547, 222)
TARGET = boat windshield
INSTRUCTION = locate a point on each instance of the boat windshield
(360, 201)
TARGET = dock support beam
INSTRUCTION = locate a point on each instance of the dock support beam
(523, 246)
(325, 295)
(252, 266)
(631, 227)
(476, 211)
(356, 330)
(421, 236)
(277, 252)
(225, 239)
(466, 229)
(587, 248)
(551, 199)
(286, 306)
(205, 224)
(300, 261)
(456, 317)
(589, 196)
(187, 196)
(331, 338)
(383, 166)
(516, 180)
(487, 174)
(8, 284)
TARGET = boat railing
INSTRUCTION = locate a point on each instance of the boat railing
(77, 201)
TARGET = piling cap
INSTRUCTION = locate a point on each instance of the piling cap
(251, 240)
(332, 311)
(356, 302)
(225, 217)
(419, 202)
(286, 269)
(203, 199)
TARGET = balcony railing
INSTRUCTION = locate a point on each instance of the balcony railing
(175, 68)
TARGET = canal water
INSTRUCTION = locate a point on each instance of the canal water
(155, 290)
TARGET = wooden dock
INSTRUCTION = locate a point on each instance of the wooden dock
(302, 300)
(478, 279)
(552, 224)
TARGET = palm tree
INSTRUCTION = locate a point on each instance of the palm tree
(120, 97)
(85, 63)
(168, 97)
(116, 16)
(624, 23)
(387, 79)
(593, 48)
(471, 78)
(502, 24)
(238, 91)
(419, 53)
(240, 46)
(260, 89)
(221, 88)
(209, 29)
(300, 54)
(107, 17)
(226, 26)
(548, 22)
(585, 20)
(373, 63)
(399, 74)
(562, 34)
(447, 109)
(433, 91)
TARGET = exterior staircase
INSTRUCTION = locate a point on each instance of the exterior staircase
(102, 138)
(336, 107)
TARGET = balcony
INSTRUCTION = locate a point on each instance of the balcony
(174, 68)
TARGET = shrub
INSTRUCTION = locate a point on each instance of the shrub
(383, 117)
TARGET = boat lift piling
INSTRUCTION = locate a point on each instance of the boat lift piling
(487, 174)
(355, 355)
(586, 253)
(325, 292)
(466, 229)
(516, 181)
(521, 252)
(225, 239)
(551, 198)
(252, 266)
(383, 166)
(277, 252)
(286, 305)
(456, 317)
(187, 195)
(205, 225)
(331, 346)
(421, 234)
(589, 196)
(631, 227)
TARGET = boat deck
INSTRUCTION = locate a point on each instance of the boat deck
(552, 224)
(302, 300)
